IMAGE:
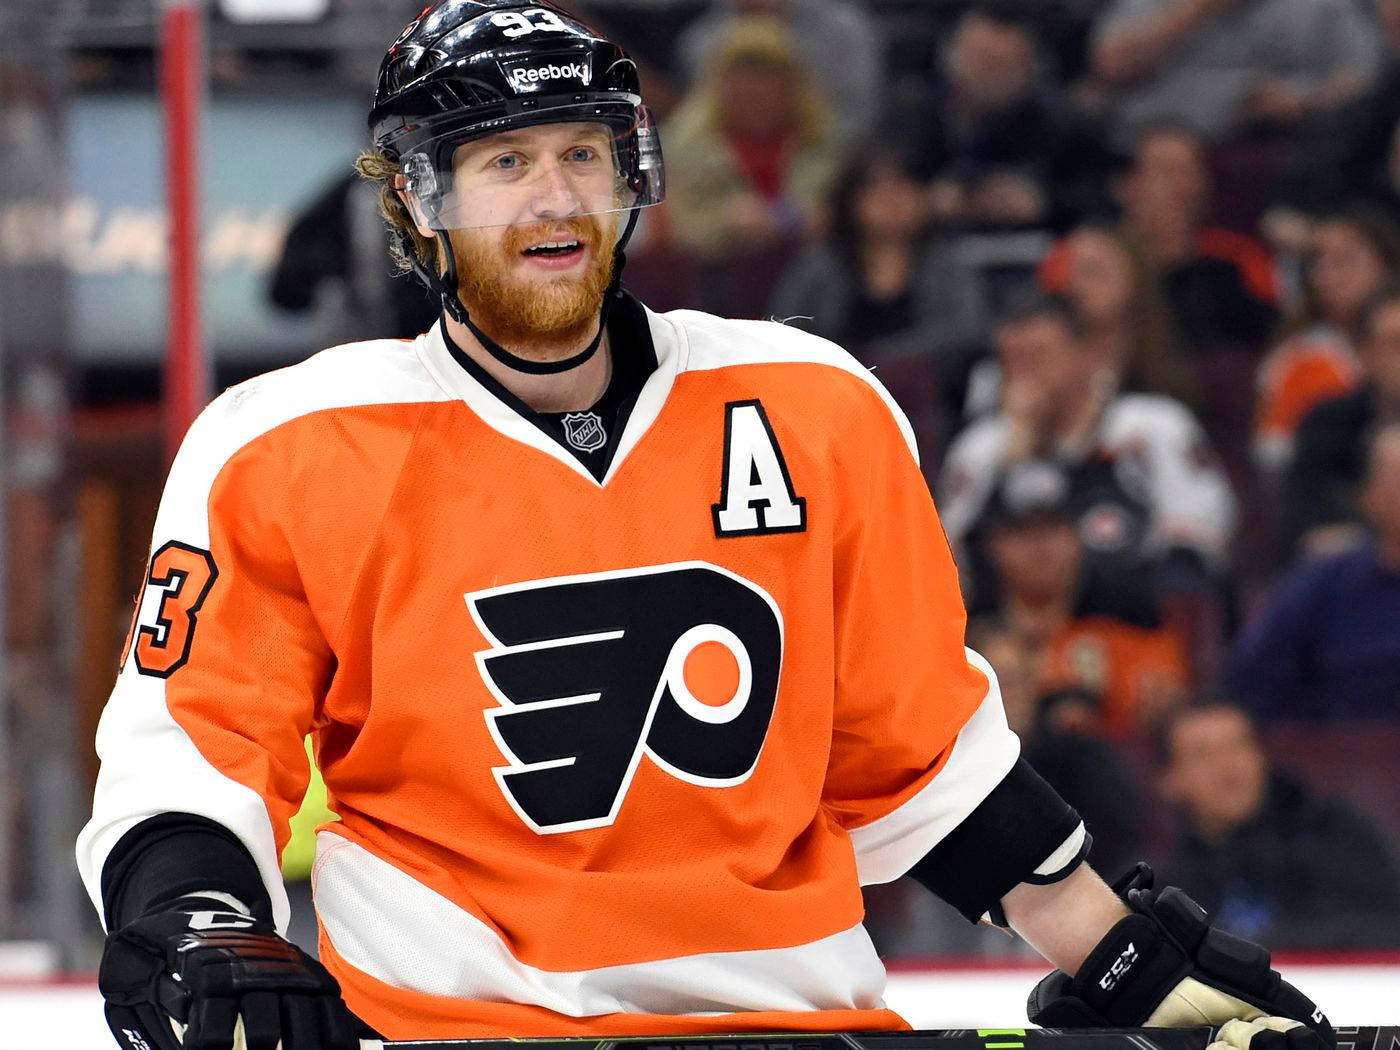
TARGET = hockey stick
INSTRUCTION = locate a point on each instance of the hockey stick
(1363, 1038)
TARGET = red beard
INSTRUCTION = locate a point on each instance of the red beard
(554, 313)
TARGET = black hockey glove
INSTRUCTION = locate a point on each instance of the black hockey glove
(187, 974)
(1165, 965)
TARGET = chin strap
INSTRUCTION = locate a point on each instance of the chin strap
(445, 287)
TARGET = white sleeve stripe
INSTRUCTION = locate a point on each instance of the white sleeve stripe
(1067, 852)
(983, 754)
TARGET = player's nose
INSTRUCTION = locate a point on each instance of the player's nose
(555, 195)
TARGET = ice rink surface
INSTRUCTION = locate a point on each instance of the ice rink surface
(68, 1016)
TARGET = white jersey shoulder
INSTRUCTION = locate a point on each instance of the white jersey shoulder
(376, 372)
(711, 342)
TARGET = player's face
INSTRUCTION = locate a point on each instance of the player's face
(541, 277)
(532, 175)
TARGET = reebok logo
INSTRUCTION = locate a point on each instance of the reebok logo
(524, 76)
(1120, 968)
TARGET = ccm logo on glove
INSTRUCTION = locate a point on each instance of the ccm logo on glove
(1120, 966)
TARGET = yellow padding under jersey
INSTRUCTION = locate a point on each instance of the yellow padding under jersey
(300, 853)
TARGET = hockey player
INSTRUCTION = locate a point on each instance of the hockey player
(629, 643)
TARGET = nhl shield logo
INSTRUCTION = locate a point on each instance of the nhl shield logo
(584, 431)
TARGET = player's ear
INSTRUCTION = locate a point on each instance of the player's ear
(414, 207)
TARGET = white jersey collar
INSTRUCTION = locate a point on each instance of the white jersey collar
(672, 350)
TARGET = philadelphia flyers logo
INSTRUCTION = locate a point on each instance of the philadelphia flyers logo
(678, 664)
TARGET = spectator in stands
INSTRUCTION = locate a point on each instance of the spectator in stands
(1072, 633)
(994, 134)
(880, 284)
(1124, 318)
(1256, 848)
(1327, 644)
(1221, 286)
(1348, 154)
(1152, 503)
(1320, 511)
(1059, 401)
(1353, 254)
(752, 153)
(839, 41)
(1219, 66)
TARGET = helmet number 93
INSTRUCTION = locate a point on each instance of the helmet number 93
(516, 23)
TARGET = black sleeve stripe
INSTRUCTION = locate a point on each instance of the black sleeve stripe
(171, 855)
(1001, 843)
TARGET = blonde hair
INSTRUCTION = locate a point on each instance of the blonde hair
(377, 166)
(764, 40)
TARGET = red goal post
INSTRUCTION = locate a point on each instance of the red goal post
(182, 87)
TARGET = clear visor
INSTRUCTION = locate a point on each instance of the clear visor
(561, 166)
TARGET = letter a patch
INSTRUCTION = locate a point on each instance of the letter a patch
(756, 494)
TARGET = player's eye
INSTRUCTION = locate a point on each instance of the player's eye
(508, 162)
(582, 154)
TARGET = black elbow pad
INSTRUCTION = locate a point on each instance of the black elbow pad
(1023, 831)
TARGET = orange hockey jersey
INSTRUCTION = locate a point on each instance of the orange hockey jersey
(610, 757)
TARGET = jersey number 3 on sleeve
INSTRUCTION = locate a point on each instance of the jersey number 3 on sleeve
(163, 629)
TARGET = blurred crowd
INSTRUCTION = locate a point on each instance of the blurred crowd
(1132, 268)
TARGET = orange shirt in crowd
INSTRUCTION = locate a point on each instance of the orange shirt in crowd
(1298, 373)
(1138, 672)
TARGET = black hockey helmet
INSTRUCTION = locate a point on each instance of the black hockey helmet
(465, 69)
